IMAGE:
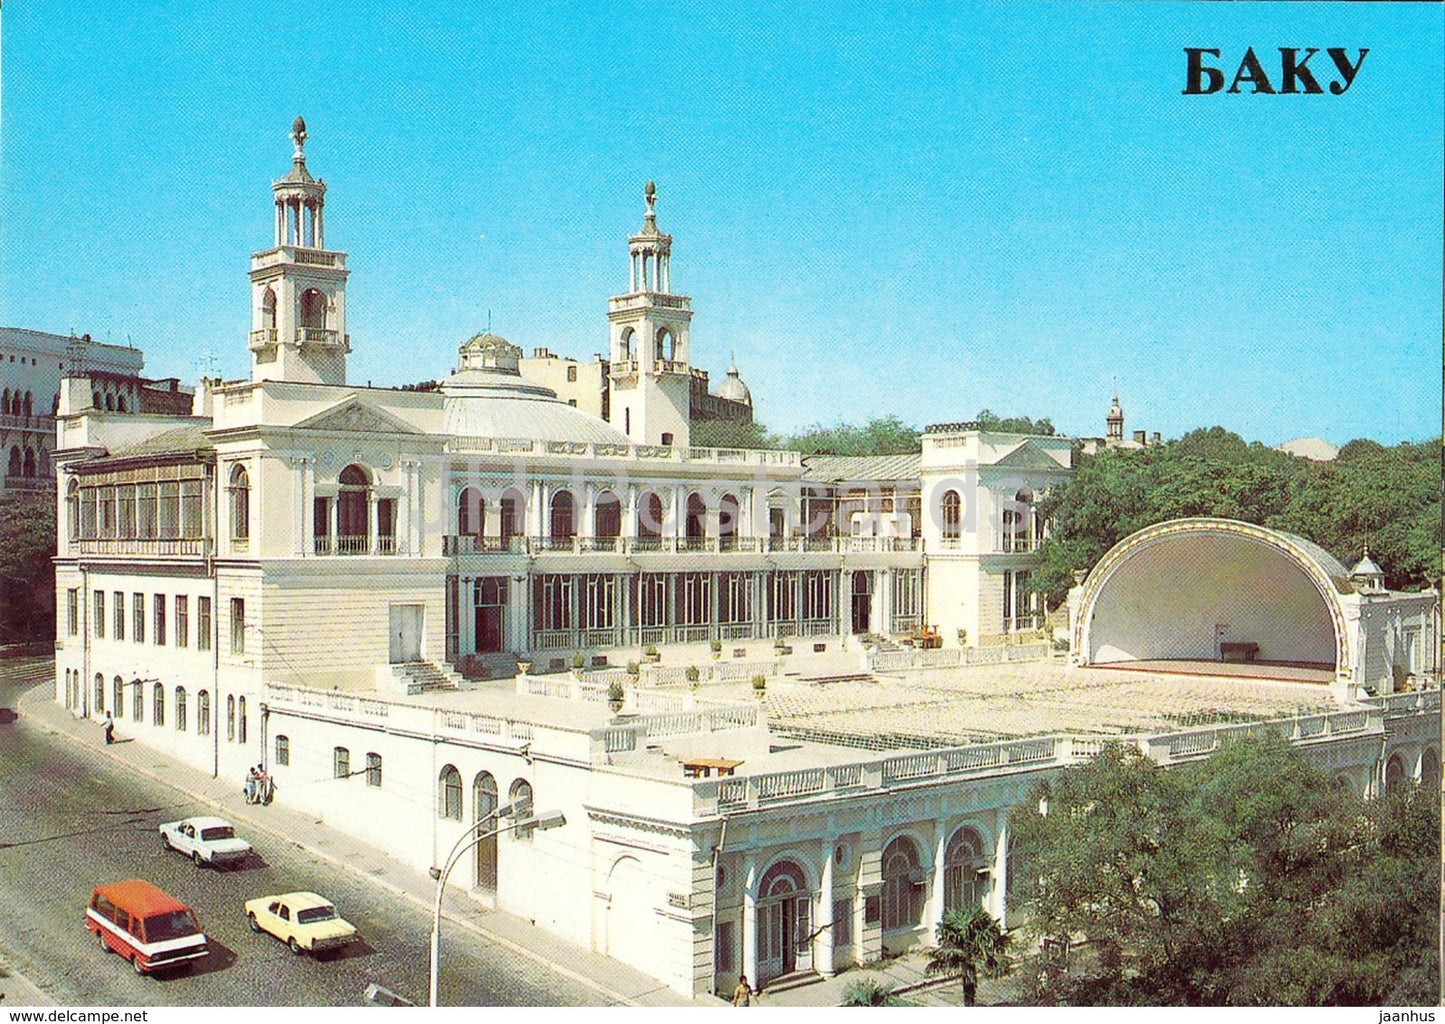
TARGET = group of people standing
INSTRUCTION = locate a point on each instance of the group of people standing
(259, 787)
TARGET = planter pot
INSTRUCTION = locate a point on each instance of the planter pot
(615, 706)
(523, 667)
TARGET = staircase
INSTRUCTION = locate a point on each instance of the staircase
(412, 677)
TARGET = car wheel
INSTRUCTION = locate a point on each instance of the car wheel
(166, 842)
(295, 946)
(196, 857)
(104, 946)
(135, 965)
(255, 925)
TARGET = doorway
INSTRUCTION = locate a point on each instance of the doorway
(490, 603)
(862, 601)
(406, 621)
(785, 922)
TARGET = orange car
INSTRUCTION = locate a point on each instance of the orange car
(145, 925)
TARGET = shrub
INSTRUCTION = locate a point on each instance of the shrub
(578, 661)
(693, 673)
(614, 692)
(633, 668)
(760, 682)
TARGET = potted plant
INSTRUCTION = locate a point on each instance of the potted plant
(716, 646)
(634, 669)
(650, 655)
(524, 665)
(615, 696)
(760, 686)
(694, 675)
(578, 663)
(963, 638)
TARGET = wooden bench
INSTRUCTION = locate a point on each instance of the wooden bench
(1243, 651)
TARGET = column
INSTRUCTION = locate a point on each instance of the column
(675, 530)
(308, 505)
(298, 503)
(320, 238)
(749, 934)
(531, 521)
(824, 958)
(467, 616)
(333, 512)
(629, 514)
(280, 223)
(587, 528)
(936, 900)
(998, 896)
(371, 539)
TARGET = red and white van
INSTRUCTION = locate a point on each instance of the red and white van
(148, 927)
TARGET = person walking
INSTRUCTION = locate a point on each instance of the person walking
(743, 994)
(109, 728)
(250, 788)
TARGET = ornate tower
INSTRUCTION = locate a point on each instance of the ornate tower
(298, 287)
(649, 383)
(1115, 419)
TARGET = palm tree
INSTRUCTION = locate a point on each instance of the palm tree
(969, 940)
(870, 991)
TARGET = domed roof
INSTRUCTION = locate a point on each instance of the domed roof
(487, 397)
(733, 388)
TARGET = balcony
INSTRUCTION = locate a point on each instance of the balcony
(262, 338)
(355, 545)
(39, 424)
(170, 546)
(470, 545)
(630, 452)
(640, 300)
(315, 336)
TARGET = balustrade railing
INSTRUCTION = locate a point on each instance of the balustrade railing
(197, 546)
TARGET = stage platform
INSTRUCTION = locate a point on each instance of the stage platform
(1279, 671)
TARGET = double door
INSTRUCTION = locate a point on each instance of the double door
(785, 936)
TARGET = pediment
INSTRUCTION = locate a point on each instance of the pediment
(1027, 455)
(352, 415)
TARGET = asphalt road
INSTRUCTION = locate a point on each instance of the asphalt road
(71, 819)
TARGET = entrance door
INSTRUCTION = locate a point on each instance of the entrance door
(491, 614)
(862, 601)
(406, 622)
(785, 922)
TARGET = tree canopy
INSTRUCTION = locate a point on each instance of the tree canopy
(731, 434)
(27, 574)
(1386, 497)
(1245, 879)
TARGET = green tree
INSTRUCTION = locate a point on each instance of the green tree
(882, 435)
(731, 434)
(27, 574)
(988, 420)
(969, 941)
(1245, 879)
(870, 991)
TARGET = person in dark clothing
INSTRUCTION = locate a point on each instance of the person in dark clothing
(109, 728)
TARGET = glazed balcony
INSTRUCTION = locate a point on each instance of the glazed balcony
(471, 545)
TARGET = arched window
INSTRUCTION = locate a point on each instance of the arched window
(352, 505)
(962, 863)
(695, 524)
(99, 693)
(1394, 774)
(313, 310)
(240, 490)
(117, 691)
(13, 469)
(95, 400)
(158, 704)
(902, 885)
(607, 519)
(268, 311)
(727, 517)
(231, 718)
(563, 521)
(1430, 769)
(137, 700)
(484, 803)
(510, 510)
(471, 513)
(449, 794)
(520, 797)
(1018, 522)
(241, 720)
(340, 763)
(373, 770)
(203, 713)
(952, 515)
(180, 709)
(109, 402)
(29, 409)
(120, 403)
(72, 509)
(29, 469)
(283, 751)
(649, 516)
(659, 345)
(5, 402)
(629, 339)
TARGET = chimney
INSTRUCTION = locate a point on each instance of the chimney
(75, 396)
(1140, 436)
(1156, 439)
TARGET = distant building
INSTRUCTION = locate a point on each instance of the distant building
(1316, 449)
(1114, 433)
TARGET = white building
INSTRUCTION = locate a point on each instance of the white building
(323, 577)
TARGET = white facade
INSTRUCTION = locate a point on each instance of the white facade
(324, 577)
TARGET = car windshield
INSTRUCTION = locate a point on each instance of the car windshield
(218, 832)
(175, 924)
(313, 914)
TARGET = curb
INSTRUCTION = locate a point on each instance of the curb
(614, 997)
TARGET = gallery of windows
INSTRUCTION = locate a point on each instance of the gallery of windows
(353, 519)
(138, 505)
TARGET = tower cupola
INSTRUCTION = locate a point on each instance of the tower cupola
(1115, 419)
(299, 199)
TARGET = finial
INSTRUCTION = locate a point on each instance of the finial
(650, 194)
(733, 363)
(298, 136)
(1116, 389)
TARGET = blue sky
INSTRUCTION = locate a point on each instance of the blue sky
(882, 209)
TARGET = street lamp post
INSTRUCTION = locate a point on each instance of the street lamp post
(541, 822)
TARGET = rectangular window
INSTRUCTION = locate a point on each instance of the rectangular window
(552, 599)
(183, 620)
(118, 613)
(373, 770)
(146, 516)
(842, 923)
(127, 511)
(571, 375)
(386, 525)
(170, 510)
(190, 508)
(735, 597)
(340, 762)
(650, 606)
(321, 525)
(283, 751)
(203, 623)
(100, 614)
(600, 601)
(693, 605)
(72, 611)
(238, 625)
(723, 955)
(107, 511)
(138, 618)
(159, 605)
(872, 909)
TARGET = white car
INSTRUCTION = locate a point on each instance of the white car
(303, 920)
(205, 840)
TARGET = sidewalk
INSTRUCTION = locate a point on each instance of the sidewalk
(909, 983)
(615, 983)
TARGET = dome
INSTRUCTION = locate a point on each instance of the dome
(733, 388)
(488, 397)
